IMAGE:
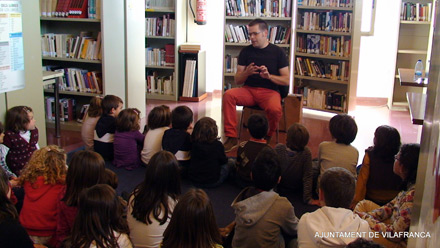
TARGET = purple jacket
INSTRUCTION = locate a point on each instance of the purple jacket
(127, 149)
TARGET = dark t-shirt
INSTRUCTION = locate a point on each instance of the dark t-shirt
(272, 56)
(206, 162)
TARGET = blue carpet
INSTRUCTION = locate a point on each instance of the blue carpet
(221, 197)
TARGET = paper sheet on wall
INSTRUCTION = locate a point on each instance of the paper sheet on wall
(11, 46)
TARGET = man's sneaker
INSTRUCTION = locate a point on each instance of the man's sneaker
(230, 144)
(268, 138)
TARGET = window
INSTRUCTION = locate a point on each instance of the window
(368, 17)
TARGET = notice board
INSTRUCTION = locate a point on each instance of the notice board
(11, 46)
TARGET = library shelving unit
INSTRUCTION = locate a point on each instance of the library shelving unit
(323, 54)
(414, 43)
(165, 31)
(109, 64)
(279, 21)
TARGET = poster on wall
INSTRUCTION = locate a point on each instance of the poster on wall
(11, 46)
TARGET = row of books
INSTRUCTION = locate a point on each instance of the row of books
(317, 68)
(259, 8)
(416, 12)
(152, 4)
(162, 85)
(71, 8)
(190, 79)
(160, 26)
(79, 80)
(230, 64)
(69, 46)
(326, 21)
(67, 108)
(322, 99)
(324, 45)
(326, 3)
(240, 34)
(160, 56)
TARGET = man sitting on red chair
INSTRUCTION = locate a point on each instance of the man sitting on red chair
(262, 67)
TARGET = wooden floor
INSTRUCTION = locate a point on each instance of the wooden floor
(368, 114)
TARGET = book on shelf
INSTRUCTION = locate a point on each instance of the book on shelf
(162, 85)
(416, 12)
(66, 111)
(331, 21)
(169, 55)
(69, 46)
(258, 8)
(160, 26)
(324, 45)
(159, 4)
(77, 80)
(83, 113)
(231, 63)
(155, 56)
(322, 99)
(326, 3)
(191, 46)
(240, 34)
(338, 70)
(189, 78)
(71, 8)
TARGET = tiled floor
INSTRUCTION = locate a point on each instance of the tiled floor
(369, 114)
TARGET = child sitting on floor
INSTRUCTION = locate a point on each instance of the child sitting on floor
(395, 216)
(336, 191)
(209, 165)
(262, 216)
(87, 168)
(106, 127)
(296, 163)
(248, 150)
(99, 222)
(159, 120)
(43, 179)
(21, 137)
(88, 126)
(177, 140)
(128, 140)
(376, 180)
(339, 153)
(193, 223)
(152, 202)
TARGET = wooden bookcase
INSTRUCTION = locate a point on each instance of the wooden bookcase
(232, 47)
(323, 55)
(414, 43)
(175, 10)
(112, 65)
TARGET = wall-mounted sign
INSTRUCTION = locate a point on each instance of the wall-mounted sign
(11, 46)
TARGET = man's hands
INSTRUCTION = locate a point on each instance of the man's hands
(253, 69)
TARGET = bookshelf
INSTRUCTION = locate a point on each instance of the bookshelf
(414, 43)
(164, 33)
(99, 72)
(280, 23)
(198, 93)
(324, 54)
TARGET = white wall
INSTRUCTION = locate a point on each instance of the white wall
(211, 37)
(378, 53)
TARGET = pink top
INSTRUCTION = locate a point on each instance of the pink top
(87, 131)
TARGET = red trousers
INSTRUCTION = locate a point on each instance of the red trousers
(267, 99)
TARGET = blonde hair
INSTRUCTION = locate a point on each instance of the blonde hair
(49, 162)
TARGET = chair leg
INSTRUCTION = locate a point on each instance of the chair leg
(241, 124)
(278, 132)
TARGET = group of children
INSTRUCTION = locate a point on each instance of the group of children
(77, 206)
